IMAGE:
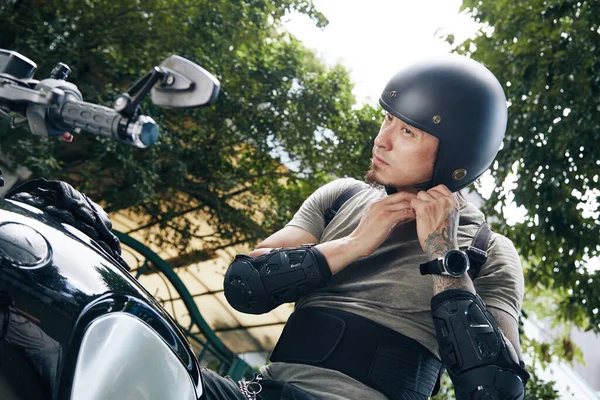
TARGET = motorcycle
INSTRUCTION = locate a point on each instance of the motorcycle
(74, 324)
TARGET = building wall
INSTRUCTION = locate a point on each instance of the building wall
(11, 177)
(589, 343)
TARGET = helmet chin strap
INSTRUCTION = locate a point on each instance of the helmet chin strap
(419, 186)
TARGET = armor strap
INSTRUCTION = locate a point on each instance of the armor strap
(339, 202)
(477, 251)
(395, 365)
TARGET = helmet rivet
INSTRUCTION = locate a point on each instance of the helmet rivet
(459, 174)
(393, 94)
(436, 119)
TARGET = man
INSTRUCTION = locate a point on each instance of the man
(362, 283)
(383, 297)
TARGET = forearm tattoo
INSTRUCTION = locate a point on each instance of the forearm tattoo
(437, 244)
(444, 238)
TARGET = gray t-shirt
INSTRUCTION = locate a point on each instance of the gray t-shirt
(387, 286)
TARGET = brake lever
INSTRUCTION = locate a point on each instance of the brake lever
(14, 93)
(15, 122)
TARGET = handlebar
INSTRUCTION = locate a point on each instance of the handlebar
(140, 131)
(54, 106)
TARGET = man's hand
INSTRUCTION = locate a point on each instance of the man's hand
(380, 218)
(437, 220)
(66, 137)
(373, 229)
(437, 229)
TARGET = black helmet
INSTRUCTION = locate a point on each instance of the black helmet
(460, 102)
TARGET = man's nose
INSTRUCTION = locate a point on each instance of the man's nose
(383, 138)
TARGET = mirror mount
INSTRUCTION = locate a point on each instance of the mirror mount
(186, 85)
(127, 103)
(174, 82)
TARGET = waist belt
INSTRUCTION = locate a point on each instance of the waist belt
(379, 357)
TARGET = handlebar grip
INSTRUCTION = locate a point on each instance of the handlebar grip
(141, 132)
(91, 118)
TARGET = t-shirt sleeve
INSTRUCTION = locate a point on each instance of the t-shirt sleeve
(500, 283)
(311, 215)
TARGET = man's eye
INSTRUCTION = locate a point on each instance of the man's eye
(389, 117)
(407, 131)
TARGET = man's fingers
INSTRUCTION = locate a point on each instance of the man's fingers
(66, 137)
(443, 189)
(441, 193)
(424, 196)
(383, 210)
(403, 216)
(397, 198)
(400, 213)
(436, 194)
(400, 196)
(401, 205)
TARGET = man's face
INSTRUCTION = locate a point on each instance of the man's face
(403, 156)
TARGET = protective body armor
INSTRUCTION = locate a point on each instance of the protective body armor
(256, 285)
(474, 350)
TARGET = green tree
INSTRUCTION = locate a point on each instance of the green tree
(543, 52)
(278, 105)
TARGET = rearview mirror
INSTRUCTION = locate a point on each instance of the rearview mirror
(186, 85)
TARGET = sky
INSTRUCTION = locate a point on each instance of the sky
(375, 38)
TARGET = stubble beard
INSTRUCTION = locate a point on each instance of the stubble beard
(372, 178)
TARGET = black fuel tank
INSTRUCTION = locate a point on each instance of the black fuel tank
(53, 281)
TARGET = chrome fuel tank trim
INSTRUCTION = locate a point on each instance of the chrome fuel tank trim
(123, 358)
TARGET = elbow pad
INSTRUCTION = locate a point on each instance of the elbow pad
(256, 285)
(474, 350)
